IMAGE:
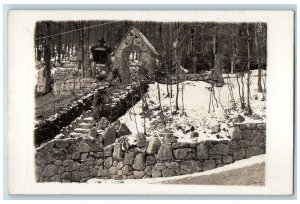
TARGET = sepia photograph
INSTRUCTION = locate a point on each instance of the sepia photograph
(151, 102)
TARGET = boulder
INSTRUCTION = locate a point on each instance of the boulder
(170, 138)
(138, 174)
(93, 132)
(194, 134)
(140, 140)
(108, 162)
(160, 166)
(253, 151)
(126, 170)
(209, 164)
(116, 124)
(123, 130)
(129, 157)
(239, 154)
(153, 146)
(215, 128)
(139, 162)
(164, 153)
(150, 160)
(49, 170)
(238, 119)
(189, 167)
(156, 173)
(235, 133)
(110, 136)
(202, 151)
(227, 159)
(83, 147)
(103, 123)
(219, 149)
(118, 153)
(256, 117)
(168, 173)
(185, 154)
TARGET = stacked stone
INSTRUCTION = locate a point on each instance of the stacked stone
(78, 160)
(77, 85)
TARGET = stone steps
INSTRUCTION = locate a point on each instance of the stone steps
(81, 130)
(76, 134)
(88, 120)
(85, 125)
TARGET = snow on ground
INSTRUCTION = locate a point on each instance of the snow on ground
(236, 165)
(196, 97)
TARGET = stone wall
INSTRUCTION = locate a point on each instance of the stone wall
(117, 104)
(75, 85)
(47, 129)
(78, 160)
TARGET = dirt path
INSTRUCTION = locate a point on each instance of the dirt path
(250, 175)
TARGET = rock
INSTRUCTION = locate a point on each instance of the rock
(83, 147)
(156, 173)
(93, 132)
(238, 155)
(126, 170)
(61, 143)
(138, 174)
(215, 128)
(116, 124)
(227, 159)
(194, 134)
(120, 165)
(188, 167)
(44, 157)
(239, 119)
(123, 130)
(150, 160)
(103, 123)
(108, 151)
(169, 138)
(153, 146)
(75, 176)
(160, 166)
(113, 171)
(93, 172)
(67, 162)
(139, 161)
(55, 178)
(209, 164)
(164, 153)
(219, 149)
(118, 153)
(49, 170)
(253, 151)
(202, 151)
(102, 172)
(66, 176)
(148, 170)
(235, 133)
(185, 154)
(180, 145)
(108, 162)
(76, 155)
(140, 139)
(168, 173)
(129, 158)
(110, 136)
(256, 117)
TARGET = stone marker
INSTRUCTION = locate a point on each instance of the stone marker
(153, 146)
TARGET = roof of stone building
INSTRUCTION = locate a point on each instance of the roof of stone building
(142, 36)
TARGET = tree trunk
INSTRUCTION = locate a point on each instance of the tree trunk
(248, 69)
(257, 45)
(47, 59)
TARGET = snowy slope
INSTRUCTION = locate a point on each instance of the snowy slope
(196, 105)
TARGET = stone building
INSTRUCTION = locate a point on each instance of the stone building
(135, 53)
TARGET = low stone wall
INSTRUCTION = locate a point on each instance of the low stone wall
(77, 85)
(78, 160)
(117, 105)
(47, 129)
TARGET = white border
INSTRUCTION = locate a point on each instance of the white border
(279, 105)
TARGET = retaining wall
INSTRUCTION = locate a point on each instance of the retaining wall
(77, 85)
(78, 160)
